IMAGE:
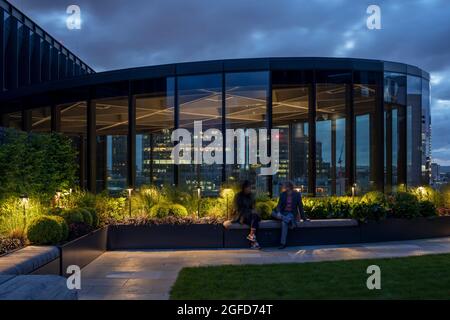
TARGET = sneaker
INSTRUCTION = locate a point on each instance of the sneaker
(282, 246)
(255, 245)
(251, 238)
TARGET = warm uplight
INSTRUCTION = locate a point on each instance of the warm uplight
(24, 198)
(130, 191)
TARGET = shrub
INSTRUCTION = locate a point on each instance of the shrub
(73, 216)
(375, 197)
(427, 208)
(178, 210)
(35, 163)
(10, 244)
(427, 193)
(64, 227)
(109, 209)
(446, 196)
(87, 217)
(264, 209)
(94, 215)
(12, 221)
(45, 230)
(78, 229)
(405, 205)
(364, 211)
(161, 210)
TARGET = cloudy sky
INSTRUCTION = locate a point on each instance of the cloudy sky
(127, 33)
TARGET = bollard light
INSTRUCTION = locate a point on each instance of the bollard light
(199, 196)
(130, 191)
(24, 199)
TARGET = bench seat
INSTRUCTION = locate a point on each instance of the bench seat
(274, 224)
(36, 288)
(27, 260)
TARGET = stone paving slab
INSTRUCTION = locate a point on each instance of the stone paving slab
(149, 275)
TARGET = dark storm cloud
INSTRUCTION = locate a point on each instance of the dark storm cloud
(120, 34)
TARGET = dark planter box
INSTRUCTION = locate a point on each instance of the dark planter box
(236, 238)
(194, 236)
(393, 229)
(84, 250)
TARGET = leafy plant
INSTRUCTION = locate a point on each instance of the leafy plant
(87, 217)
(426, 193)
(73, 216)
(427, 208)
(264, 209)
(45, 230)
(405, 205)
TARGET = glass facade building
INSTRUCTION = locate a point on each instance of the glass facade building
(342, 123)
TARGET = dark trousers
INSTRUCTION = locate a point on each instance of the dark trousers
(252, 220)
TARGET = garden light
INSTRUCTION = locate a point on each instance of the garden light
(199, 195)
(24, 199)
(130, 191)
(227, 193)
(353, 191)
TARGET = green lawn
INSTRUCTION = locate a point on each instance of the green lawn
(424, 277)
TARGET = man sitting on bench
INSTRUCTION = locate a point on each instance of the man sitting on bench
(289, 211)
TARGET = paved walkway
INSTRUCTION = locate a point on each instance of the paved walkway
(127, 275)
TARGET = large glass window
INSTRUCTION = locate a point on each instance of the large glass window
(365, 94)
(290, 105)
(112, 131)
(74, 125)
(154, 125)
(246, 108)
(200, 99)
(331, 110)
(414, 131)
(41, 119)
(394, 109)
(426, 132)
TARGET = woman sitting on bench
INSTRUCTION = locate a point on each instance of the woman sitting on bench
(289, 210)
(245, 212)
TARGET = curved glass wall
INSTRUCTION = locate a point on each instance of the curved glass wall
(154, 124)
(200, 100)
(366, 127)
(414, 131)
(290, 111)
(394, 115)
(337, 129)
(246, 109)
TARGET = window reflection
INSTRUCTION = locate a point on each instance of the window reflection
(290, 115)
(330, 136)
(154, 124)
(246, 108)
(394, 109)
(200, 99)
(364, 109)
(414, 132)
(112, 131)
(41, 119)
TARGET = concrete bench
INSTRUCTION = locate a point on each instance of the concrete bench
(35, 288)
(29, 260)
(274, 224)
(327, 231)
